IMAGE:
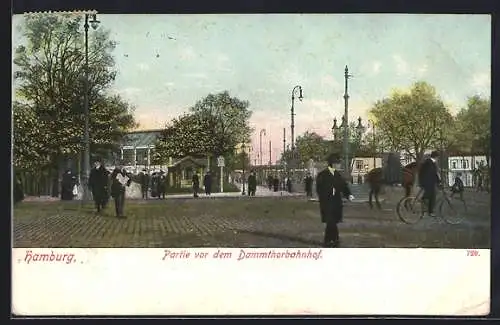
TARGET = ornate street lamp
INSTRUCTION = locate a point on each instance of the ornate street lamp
(86, 137)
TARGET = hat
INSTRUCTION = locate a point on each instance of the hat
(333, 158)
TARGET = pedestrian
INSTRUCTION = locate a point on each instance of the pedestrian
(119, 181)
(458, 187)
(162, 185)
(98, 185)
(289, 184)
(68, 183)
(270, 182)
(331, 188)
(154, 184)
(429, 180)
(18, 190)
(207, 183)
(308, 181)
(144, 180)
(196, 184)
(276, 183)
(252, 184)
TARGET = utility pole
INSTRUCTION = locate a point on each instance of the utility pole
(270, 160)
(284, 140)
(346, 126)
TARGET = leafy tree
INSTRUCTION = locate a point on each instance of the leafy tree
(226, 121)
(472, 132)
(49, 79)
(311, 146)
(413, 120)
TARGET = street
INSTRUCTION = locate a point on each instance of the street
(240, 221)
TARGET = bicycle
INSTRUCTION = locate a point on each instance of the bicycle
(414, 207)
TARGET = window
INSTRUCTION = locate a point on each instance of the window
(465, 164)
(454, 164)
(359, 164)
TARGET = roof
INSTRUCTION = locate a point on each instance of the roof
(143, 138)
(199, 162)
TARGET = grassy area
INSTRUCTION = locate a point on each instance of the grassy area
(230, 222)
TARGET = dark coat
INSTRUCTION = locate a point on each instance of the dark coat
(162, 183)
(67, 184)
(144, 180)
(116, 186)
(196, 181)
(330, 205)
(252, 182)
(207, 181)
(428, 174)
(18, 190)
(99, 181)
(308, 183)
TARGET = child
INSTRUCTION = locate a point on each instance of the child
(458, 187)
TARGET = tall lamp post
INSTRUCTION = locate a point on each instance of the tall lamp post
(292, 124)
(243, 154)
(86, 137)
(346, 124)
(262, 132)
(372, 124)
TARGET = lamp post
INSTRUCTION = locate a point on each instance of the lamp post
(86, 137)
(262, 132)
(372, 124)
(346, 124)
(243, 169)
(292, 125)
(360, 129)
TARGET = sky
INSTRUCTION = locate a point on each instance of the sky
(166, 63)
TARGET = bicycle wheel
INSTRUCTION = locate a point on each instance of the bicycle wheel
(409, 210)
(452, 210)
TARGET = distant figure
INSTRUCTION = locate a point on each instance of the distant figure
(458, 187)
(331, 187)
(196, 184)
(270, 182)
(154, 184)
(276, 183)
(252, 184)
(308, 181)
(119, 181)
(144, 180)
(98, 184)
(288, 184)
(18, 190)
(162, 185)
(207, 183)
(67, 184)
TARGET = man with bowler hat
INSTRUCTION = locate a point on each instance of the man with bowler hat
(98, 184)
(331, 188)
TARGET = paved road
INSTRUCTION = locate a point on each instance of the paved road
(245, 222)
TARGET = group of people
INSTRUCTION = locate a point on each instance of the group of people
(156, 182)
(207, 184)
(273, 183)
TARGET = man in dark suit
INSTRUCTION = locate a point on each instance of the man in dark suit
(144, 180)
(119, 181)
(98, 184)
(162, 185)
(196, 184)
(428, 178)
(252, 184)
(331, 187)
(207, 183)
(308, 181)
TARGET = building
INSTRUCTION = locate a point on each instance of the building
(465, 165)
(362, 165)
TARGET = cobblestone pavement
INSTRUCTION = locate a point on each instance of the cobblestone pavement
(243, 222)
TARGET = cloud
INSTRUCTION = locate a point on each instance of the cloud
(143, 66)
(376, 65)
(422, 70)
(402, 66)
(187, 53)
(482, 82)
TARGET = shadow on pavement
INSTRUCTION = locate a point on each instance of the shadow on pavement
(281, 237)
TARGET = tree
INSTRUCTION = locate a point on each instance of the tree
(226, 122)
(413, 120)
(183, 136)
(472, 132)
(49, 72)
(311, 146)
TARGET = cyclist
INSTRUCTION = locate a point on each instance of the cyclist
(458, 187)
(429, 180)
